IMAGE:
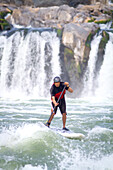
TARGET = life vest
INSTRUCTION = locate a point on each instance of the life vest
(57, 95)
(57, 92)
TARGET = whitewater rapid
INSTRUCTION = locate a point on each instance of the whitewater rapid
(26, 144)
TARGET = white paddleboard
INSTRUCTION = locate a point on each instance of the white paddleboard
(68, 134)
(72, 135)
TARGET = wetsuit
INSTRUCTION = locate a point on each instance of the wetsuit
(56, 91)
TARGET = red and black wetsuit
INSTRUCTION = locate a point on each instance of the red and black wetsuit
(56, 91)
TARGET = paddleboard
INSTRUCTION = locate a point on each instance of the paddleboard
(72, 135)
(68, 134)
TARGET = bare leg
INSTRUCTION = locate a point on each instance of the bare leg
(64, 119)
(51, 116)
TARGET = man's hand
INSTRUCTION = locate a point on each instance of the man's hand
(54, 101)
(66, 84)
(56, 104)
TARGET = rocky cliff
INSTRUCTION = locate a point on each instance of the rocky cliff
(75, 27)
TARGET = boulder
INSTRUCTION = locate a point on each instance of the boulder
(76, 40)
(75, 36)
(43, 17)
(59, 16)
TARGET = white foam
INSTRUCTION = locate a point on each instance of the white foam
(78, 161)
(99, 130)
(30, 167)
(16, 135)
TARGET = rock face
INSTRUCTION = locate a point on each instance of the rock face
(45, 3)
(59, 16)
(75, 27)
(75, 38)
(43, 17)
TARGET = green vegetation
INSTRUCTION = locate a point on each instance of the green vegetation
(102, 21)
(4, 25)
(112, 25)
(79, 68)
(4, 13)
(110, 12)
(68, 52)
(91, 20)
(88, 41)
(104, 40)
(59, 32)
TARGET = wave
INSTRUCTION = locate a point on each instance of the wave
(36, 147)
(15, 136)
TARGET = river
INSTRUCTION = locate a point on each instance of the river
(25, 105)
(25, 144)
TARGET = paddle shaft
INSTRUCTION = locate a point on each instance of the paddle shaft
(59, 97)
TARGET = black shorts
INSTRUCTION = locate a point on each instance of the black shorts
(62, 106)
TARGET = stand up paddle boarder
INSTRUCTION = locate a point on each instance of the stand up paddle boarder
(58, 90)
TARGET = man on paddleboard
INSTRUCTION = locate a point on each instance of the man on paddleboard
(58, 90)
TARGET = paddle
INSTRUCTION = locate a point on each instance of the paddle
(51, 116)
(59, 97)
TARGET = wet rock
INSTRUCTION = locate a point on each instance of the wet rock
(75, 36)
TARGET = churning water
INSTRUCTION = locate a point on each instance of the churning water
(27, 145)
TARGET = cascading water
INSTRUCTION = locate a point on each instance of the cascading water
(102, 85)
(105, 77)
(28, 62)
(90, 72)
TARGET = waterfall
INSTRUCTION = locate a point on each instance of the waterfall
(89, 76)
(105, 77)
(28, 62)
(100, 86)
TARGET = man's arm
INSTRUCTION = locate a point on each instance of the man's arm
(54, 101)
(69, 89)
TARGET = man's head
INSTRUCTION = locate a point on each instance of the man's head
(57, 81)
